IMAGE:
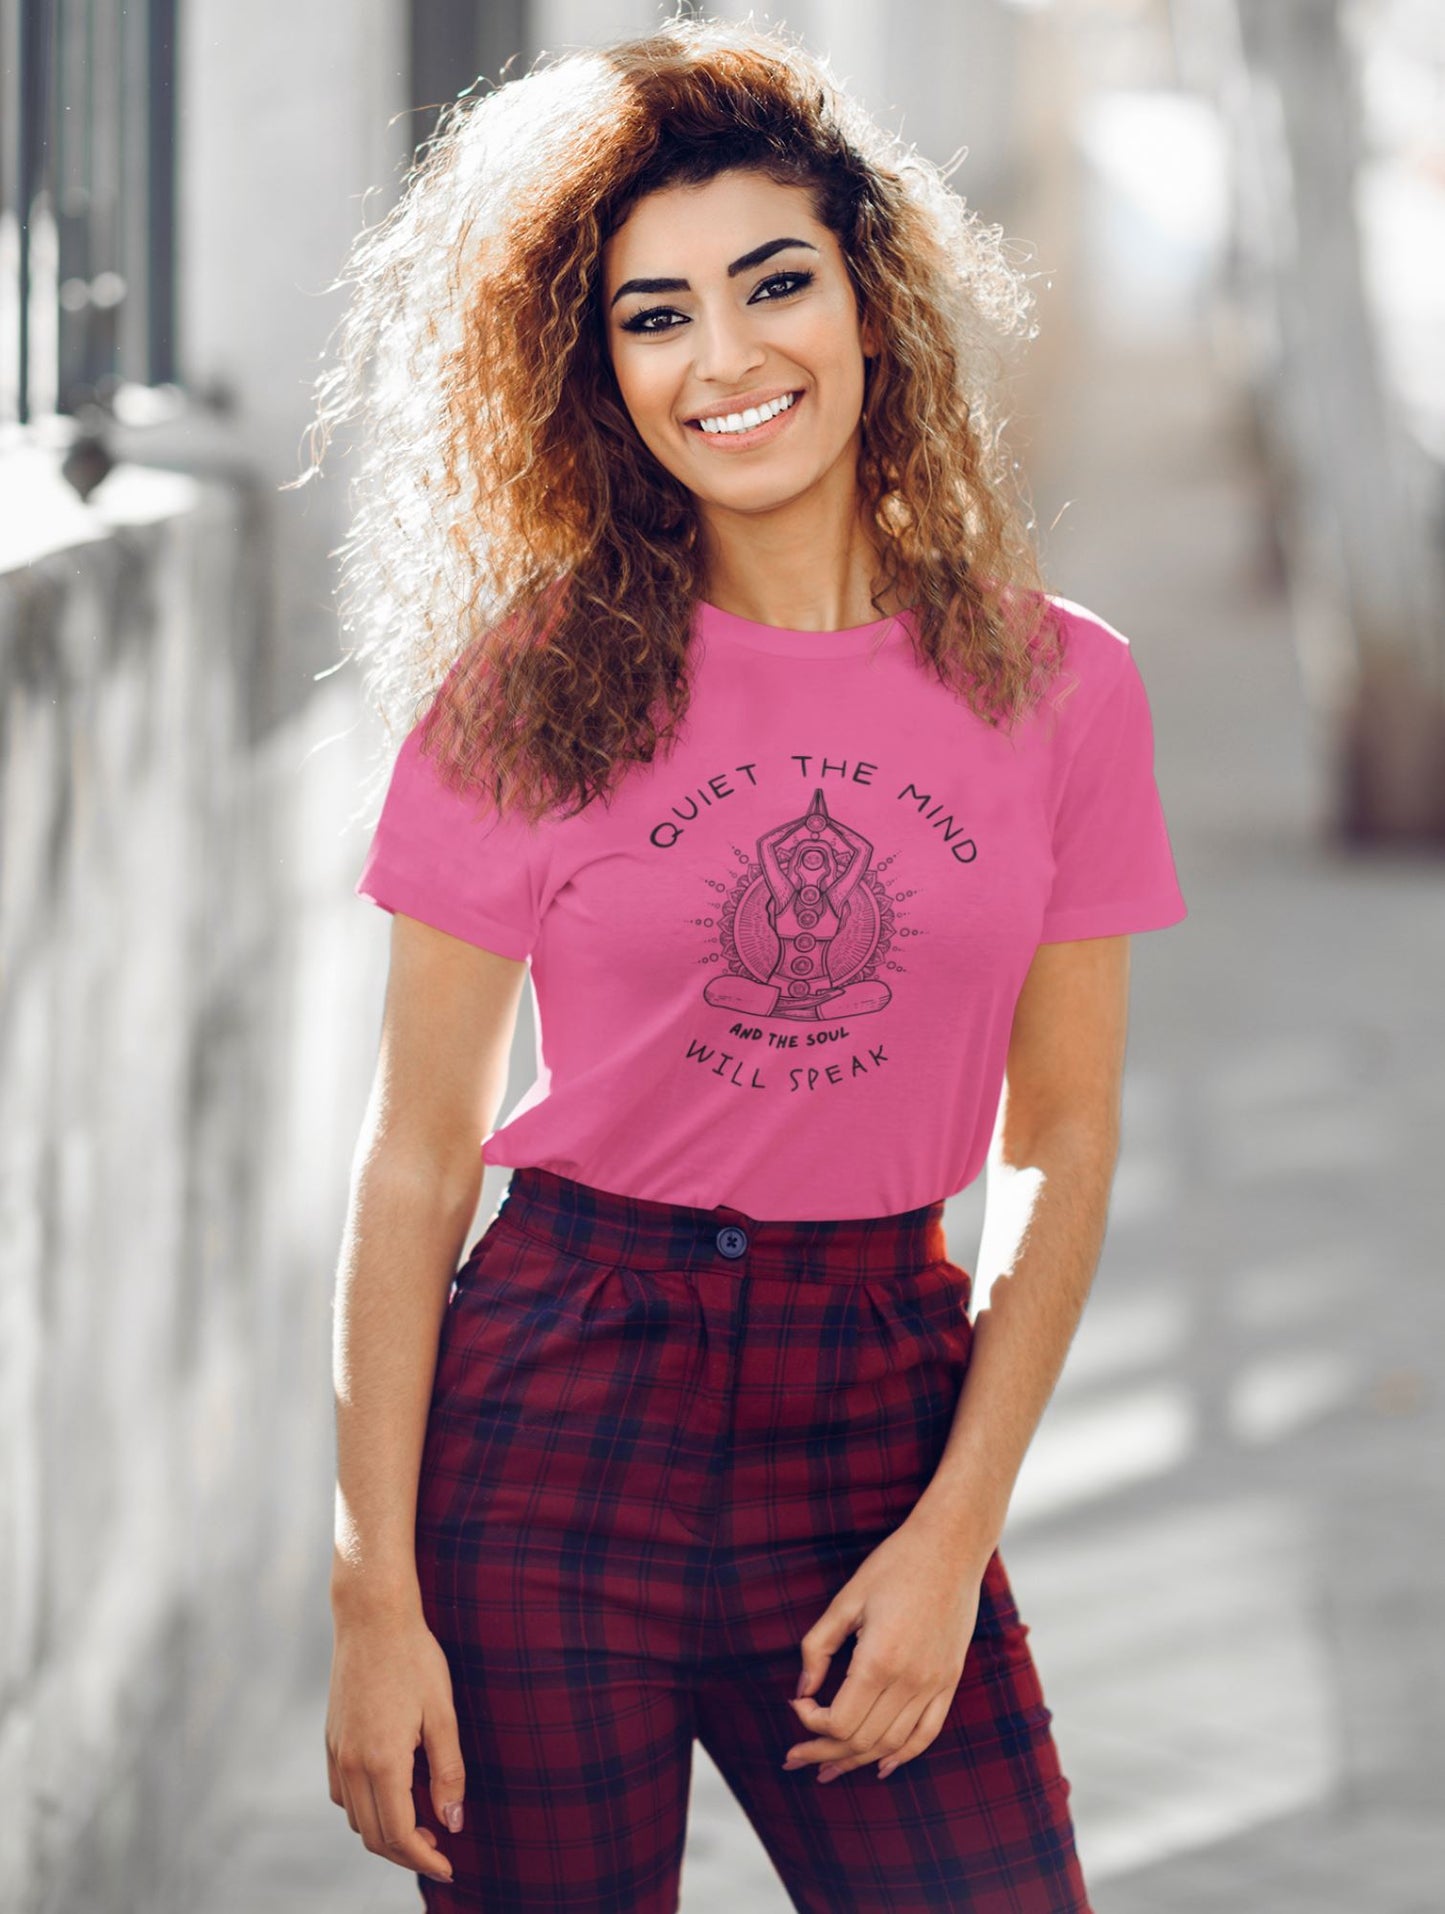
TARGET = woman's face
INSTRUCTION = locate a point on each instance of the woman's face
(724, 298)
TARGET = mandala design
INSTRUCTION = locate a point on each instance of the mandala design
(805, 932)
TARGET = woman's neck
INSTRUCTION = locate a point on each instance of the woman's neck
(807, 566)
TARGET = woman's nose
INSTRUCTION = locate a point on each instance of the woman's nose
(726, 349)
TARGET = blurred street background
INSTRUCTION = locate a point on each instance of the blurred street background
(1227, 1538)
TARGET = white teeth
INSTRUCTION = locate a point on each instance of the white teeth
(746, 421)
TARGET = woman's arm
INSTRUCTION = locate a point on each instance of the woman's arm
(440, 1077)
(918, 1592)
(1055, 1152)
(441, 1074)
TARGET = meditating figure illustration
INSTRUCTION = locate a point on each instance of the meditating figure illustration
(806, 927)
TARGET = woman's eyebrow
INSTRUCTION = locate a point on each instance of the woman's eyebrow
(754, 258)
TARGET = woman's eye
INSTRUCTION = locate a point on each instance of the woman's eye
(789, 281)
(639, 322)
(780, 286)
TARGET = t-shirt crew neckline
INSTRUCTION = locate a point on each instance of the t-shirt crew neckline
(730, 628)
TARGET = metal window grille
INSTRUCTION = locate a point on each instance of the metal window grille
(87, 202)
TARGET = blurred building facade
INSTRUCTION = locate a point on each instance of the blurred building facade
(1332, 114)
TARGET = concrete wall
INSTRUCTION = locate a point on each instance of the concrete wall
(292, 131)
(189, 1007)
(186, 1031)
(141, 1389)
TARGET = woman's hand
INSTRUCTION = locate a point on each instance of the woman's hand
(914, 1603)
(391, 1689)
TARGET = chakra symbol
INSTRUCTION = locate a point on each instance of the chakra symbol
(807, 927)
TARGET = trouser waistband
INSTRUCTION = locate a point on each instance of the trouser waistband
(578, 1219)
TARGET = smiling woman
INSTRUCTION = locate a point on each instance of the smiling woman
(591, 262)
(743, 356)
(685, 525)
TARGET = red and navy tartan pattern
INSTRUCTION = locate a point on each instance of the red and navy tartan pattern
(648, 1468)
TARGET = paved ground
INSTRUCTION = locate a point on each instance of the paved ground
(1227, 1537)
(1227, 1531)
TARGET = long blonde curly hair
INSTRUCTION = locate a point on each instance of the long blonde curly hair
(519, 569)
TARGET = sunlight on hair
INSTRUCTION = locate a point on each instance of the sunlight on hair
(519, 568)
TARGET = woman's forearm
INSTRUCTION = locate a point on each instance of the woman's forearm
(1047, 1215)
(404, 1233)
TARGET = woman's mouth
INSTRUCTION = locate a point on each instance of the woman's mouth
(756, 425)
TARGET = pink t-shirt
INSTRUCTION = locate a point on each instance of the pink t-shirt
(778, 971)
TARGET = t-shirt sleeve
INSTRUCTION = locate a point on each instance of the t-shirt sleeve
(1113, 864)
(454, 861)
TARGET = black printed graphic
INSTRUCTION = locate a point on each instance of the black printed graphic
(805, 933)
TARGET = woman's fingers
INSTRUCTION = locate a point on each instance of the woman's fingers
(833, 1741)
(360, 1806)
(891, 1745)
(442, 1739)
(923, 1736)
(346, 1803)
(398, 1836)
(389, 1681)
(889, 1735)
(878, 1747)
(866, 1700)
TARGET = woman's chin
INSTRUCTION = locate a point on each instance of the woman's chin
(754, 492)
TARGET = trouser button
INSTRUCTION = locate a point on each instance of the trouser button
(731, 1240)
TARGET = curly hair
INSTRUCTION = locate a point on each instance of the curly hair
(521, 570)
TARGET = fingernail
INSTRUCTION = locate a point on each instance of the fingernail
(827, 1771)
(802, 1684)
(885, 1768)
(453, 1816)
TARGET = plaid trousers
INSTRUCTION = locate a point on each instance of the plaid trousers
(660, 1440)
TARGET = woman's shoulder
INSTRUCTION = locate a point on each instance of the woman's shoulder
(1095, 644)
(1097, 661)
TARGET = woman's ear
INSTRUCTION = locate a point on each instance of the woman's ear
(868, 336)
